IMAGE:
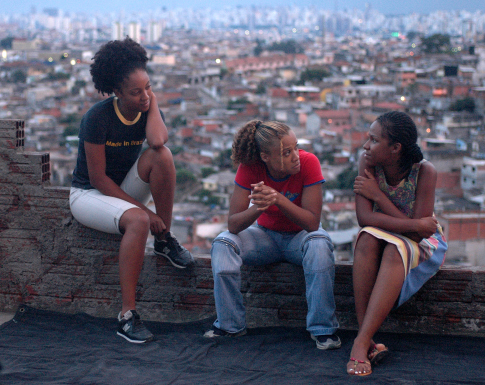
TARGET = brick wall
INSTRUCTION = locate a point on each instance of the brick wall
(50, 261)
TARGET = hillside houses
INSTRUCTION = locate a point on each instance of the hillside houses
(209, 82)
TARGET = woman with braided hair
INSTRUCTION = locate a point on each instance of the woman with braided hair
(279, 187)
(113, 180)
(401, 244)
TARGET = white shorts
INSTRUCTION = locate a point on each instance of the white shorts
(101, 212)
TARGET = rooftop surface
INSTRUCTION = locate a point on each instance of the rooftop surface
(43, 347)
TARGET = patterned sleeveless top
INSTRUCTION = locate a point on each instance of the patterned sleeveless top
(404, 194)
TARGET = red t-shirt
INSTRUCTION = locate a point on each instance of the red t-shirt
(291, 187)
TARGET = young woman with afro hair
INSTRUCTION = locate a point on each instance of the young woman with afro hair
(114, 179)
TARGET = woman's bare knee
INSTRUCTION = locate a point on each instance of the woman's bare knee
(158, 160)
(135, 220)
(367, 243)
(391, 255)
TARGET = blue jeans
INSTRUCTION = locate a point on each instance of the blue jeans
(259, 246)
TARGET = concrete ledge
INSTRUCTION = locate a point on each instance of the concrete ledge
(452, 302)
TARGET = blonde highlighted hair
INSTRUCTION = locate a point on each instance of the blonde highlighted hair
(256, 137)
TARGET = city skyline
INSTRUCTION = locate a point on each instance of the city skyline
(383, 6)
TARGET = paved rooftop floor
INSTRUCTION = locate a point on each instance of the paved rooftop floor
(42, 347)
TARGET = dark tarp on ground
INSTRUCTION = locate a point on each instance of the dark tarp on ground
(42, 347)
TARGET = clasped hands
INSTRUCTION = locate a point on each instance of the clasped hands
(262, 196)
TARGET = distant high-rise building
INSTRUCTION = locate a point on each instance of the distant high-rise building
(252, 18)
(154, 32)
(51, 11)
(117, 32)
(367, 10)
(321, 25)
(134, 31)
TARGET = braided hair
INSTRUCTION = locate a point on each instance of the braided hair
(398, 127)
(256, 137)
(116, 61)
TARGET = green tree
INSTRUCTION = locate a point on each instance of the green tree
(176, 150)
(19, 76)
(207, 198)
(466, 104)
(184, 176)
(223, 72)
(179, 120)
(437, 43)
(311, 74)
(411, 35)
(224, 160)
(259, 48)
(344, 181)
(58, 76)
(237, 104)
(327, 156)
(78, 84)
(287, 46)
(70, 131)
(69, 119)
(412, 88)
(206, 171)
(261, 89)
(6, 43)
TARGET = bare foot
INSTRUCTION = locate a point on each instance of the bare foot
(359, 364)
(377, 352)
(357, 367)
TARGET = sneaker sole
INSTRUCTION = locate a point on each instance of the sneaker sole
(134, 341)
(229, 335)
(335, 345)
(329, 347)
(172, 262)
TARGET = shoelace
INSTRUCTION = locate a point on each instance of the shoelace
(136, 319)
(173, 241)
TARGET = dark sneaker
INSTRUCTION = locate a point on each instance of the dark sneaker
(171, 249)
(327, 342)
(131, 328)
(216, 332)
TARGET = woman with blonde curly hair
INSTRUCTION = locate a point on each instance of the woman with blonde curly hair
(279, 187)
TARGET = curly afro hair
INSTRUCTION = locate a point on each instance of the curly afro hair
(114, 62)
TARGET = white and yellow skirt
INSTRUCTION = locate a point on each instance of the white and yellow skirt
(421, 260)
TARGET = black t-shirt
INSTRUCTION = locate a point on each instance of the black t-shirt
(123, 140)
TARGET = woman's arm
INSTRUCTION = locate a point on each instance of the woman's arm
(308, 216)
(241, 216)
(425, 191)
(156, 131)
(392, 219)
(366, 185)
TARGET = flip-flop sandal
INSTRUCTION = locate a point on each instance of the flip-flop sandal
(377, 353)
(356, 362)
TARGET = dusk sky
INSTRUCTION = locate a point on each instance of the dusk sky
(384, 6)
